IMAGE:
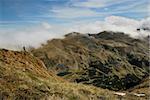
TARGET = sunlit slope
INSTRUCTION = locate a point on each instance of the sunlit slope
(22, 76)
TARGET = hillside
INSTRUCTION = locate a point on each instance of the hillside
(24, 77)
(108, 59)
(142, 87)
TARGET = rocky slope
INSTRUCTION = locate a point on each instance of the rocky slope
(142, 87)
(109, 60)
(24, 77)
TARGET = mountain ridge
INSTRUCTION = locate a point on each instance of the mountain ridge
(93, 66)
(93, 58)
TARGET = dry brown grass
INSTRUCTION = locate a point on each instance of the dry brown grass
(24, 77)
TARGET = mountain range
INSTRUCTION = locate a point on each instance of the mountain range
(103, 66)
(108, 59)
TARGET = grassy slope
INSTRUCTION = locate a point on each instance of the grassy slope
(23, 76)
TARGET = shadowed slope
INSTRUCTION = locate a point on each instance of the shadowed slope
(143, 87)
(107, 59)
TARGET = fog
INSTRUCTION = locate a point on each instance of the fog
(36, 35)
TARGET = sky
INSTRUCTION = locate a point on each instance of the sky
(32, 22)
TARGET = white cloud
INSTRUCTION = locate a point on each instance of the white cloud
(114, 23)
(82, 9)
(94, 3)
(34, 36)
(118, 6)
(145, 23)
(90, 3)
(46, 25)
(68, 12)
(121, 21)
(138, 6)
(29, 36)
(148, 8)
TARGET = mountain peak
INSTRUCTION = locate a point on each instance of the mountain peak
(72, 34)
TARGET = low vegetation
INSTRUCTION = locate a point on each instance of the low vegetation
(24, 77)
(104, 66)
(108, 60)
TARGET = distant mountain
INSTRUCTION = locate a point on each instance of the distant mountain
(109, 60)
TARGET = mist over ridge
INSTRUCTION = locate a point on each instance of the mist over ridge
(36, 35)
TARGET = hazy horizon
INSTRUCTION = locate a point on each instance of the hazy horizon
(32, 22)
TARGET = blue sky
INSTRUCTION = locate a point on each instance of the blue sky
(26, 12)
(32, 22)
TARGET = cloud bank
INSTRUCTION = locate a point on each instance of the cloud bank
(34, 36)
(94, 3)
(116, 24)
